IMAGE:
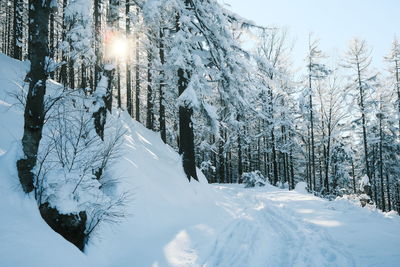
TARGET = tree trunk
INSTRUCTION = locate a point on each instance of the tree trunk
(309, 165)
(240, 159)
(119, 97)
(364, 126)
(328, 157)
(291, 171)
(9, 30)
(274, 159)
(388, 192)
(83, 77)
(71, 73)
(381, 164)
(103, 71)
(214, 162)
(163, 130)
(52, 40)
(137, 75)
(64, 68)
(98, 41)
(34, 109)
(150, 112)
(312, 132)
(373, 178)
(129, 105)
(221, 158)
(354, 176)
(230, 167)
(186, 135)
(398, 90)
(18, 29)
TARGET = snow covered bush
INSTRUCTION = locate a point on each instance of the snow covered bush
(253, 179)
(362, 200)
(73, 174)
(363, 197)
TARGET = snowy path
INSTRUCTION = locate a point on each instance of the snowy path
(280, 228)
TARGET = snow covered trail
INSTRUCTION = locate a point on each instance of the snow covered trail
(273, 227)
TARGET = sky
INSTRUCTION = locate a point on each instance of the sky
(334, 22)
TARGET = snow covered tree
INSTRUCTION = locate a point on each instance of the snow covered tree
(34, 114)
(274, 101)
(77, 48)
(201, 50)
(18, 29)
(330, 103)
(358, 60)
(316, 71)
(394, 59)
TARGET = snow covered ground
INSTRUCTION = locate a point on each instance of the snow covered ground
(171, 222)
(273, 227)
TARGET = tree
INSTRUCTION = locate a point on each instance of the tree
(77, 46)
(275, 100)
(358, 60)
(186, 135)
(150, 93)
(34, 114)
(104, 72)
(129, 105)
(316, 71)
(18, 29)
(163, 130)
(331, 104)
(394, 58)
(137, 72)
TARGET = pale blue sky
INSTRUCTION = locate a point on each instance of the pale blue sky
(335, 22)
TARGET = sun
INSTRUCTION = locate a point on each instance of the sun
(119, 47)
(116, 46)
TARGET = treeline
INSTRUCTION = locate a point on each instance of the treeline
(226, 110)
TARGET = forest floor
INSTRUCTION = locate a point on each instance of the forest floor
(171, 222)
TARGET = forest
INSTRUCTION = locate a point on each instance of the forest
(217, 88)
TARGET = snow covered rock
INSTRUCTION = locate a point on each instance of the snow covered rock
(252, 179)
(301, 187)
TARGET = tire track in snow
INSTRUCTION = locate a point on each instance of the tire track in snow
(309, 244)
(267, 232)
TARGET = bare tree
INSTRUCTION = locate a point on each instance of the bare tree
(358, 59)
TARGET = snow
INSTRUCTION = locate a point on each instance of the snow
(171, 222)
(301, 187)
(364, 181)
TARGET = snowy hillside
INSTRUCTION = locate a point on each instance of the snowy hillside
(170, 222)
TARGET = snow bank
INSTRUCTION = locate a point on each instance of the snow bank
(164, 213)
(25, 239)
(165, 210)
